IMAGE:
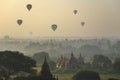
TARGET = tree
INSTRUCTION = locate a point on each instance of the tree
(113, 79)
(90, 50)
(52, 65)
(116, 47)
(86, 75)
(14, 62)
(116, 65)
(39, 57)
(101, 62)
(2, 72)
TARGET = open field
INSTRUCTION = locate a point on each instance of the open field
(107, 76)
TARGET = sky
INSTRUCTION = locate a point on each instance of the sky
(101, 17)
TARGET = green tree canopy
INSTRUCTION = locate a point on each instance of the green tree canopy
(116, 65)
(39, 57)
(86, 75)
(101, 62)
(116, 47)
(14, 62)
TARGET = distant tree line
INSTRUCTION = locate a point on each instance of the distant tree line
(99, 62)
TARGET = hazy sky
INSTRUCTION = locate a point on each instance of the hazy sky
(102, 17)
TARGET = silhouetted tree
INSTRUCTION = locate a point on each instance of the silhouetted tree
(90, 49)
(86, 75)
(116, 65)
(39, 57)
(101, 62)
(14, 62)
(116, 48)
(113, 79)
(2, 72)
(52, 65)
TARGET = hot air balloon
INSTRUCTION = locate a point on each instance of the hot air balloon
(75, 11)
(31, 33)
(54, 27)
(82, 23)
(19, 21)
(29, 7)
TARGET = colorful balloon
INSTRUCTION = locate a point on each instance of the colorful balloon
(31, 33)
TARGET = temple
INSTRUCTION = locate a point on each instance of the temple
(45, 73)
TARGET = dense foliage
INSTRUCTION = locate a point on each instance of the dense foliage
(86, 75)
(14, 62)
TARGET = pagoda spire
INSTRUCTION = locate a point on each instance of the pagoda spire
(45, 73)
(72, 54)
(45, 70)
(45, 61)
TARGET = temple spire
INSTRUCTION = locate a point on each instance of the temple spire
(45, 61)
(72, 54)
(45, 73)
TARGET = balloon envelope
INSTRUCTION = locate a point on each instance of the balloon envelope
(29, 7)
(75, 11)
(19, 21)
(31, 33)
(82, 23)
(54, 27)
